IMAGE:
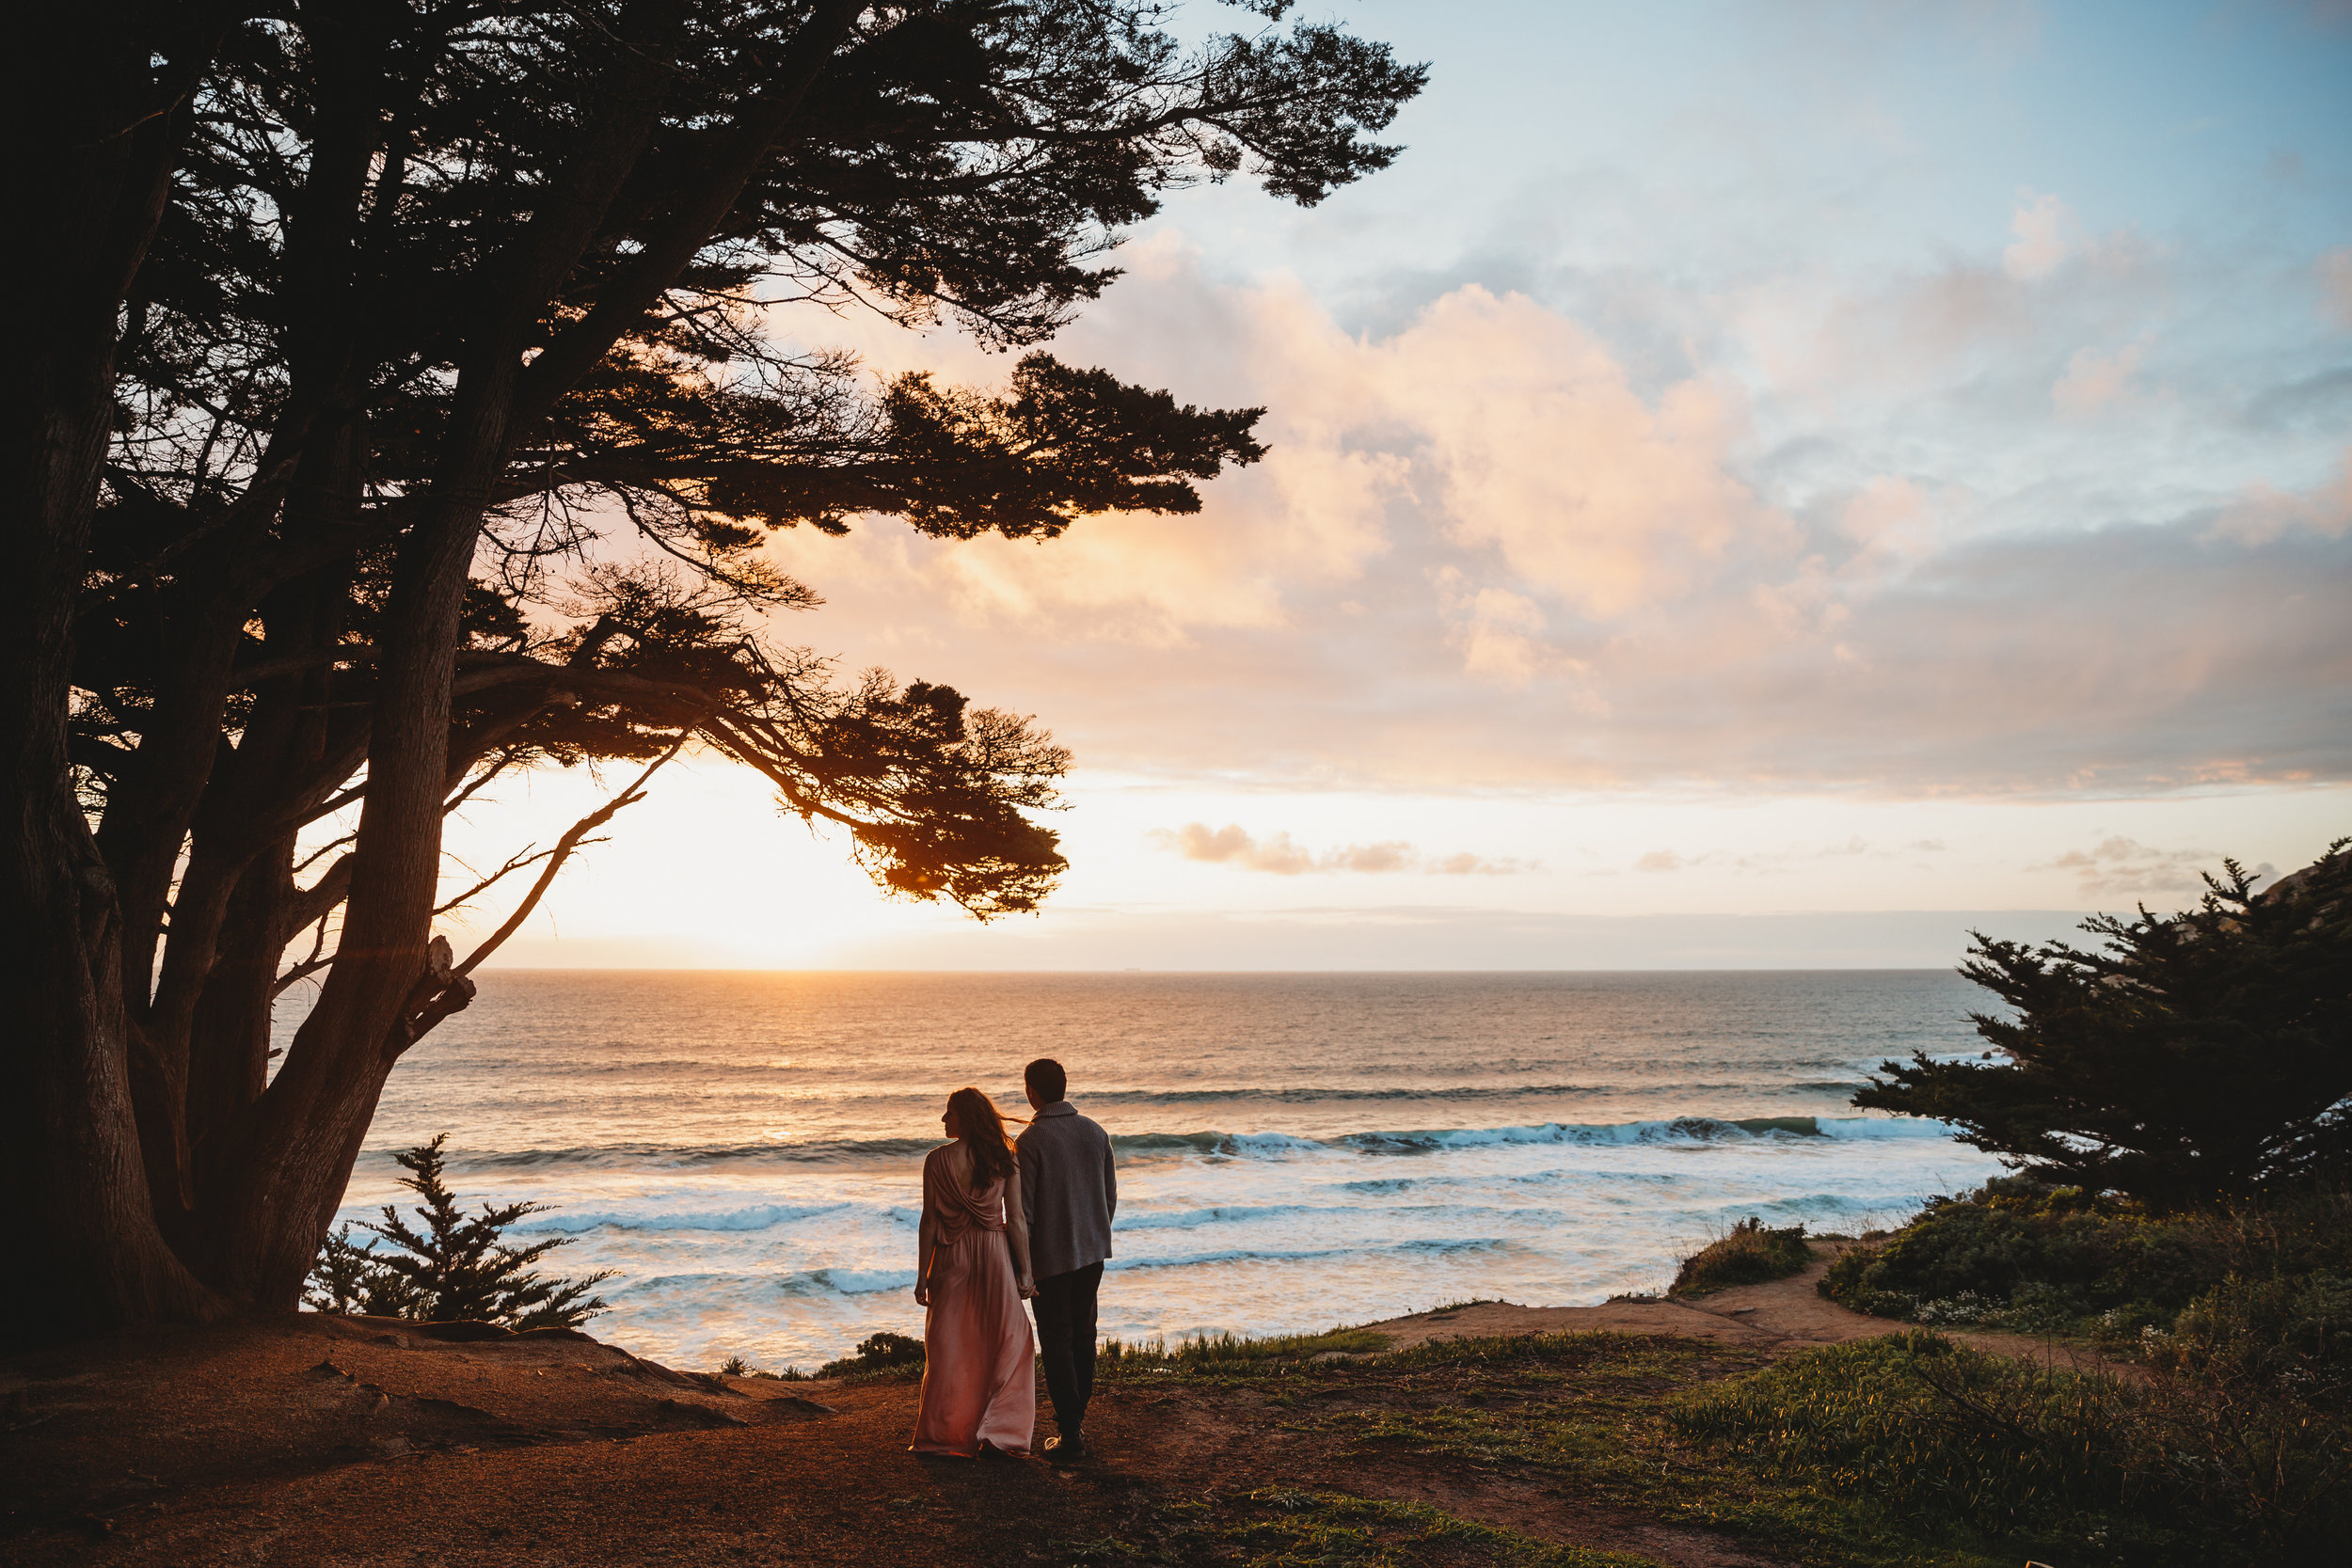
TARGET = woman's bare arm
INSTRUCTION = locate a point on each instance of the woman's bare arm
(922, 1262)
(1017, 1235)
(923, 1240)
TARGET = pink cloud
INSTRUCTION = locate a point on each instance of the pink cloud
(1234, 846)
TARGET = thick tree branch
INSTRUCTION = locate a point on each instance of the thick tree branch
(622, 302)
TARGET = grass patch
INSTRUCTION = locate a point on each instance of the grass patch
(1747, 1254)
(1304, 1527)
(1225, 1352)
(1906, 1450)
(1587, 1413)
(1280, 1527)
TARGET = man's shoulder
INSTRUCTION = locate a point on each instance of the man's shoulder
(1069, 1126)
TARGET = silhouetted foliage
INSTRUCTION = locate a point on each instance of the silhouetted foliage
(877, 1352)
(459, 1267)
(2193, 1057)
(414, 390)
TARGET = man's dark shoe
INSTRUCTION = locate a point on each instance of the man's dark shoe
(1065, 1451)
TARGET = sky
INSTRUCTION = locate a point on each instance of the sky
(1759, 484)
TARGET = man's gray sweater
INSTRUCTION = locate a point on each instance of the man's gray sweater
(1069, 1191)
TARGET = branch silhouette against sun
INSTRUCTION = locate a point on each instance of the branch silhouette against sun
(421, 384)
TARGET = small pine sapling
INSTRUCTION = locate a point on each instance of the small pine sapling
(350, 1278)
(457, 1267)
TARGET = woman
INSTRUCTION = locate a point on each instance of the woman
(972, 1270)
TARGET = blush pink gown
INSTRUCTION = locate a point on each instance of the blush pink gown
(980, 1382)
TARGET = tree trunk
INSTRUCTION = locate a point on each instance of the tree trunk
(93, 164)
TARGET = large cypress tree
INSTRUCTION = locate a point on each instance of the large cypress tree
(408, 388)
(2187, 1058)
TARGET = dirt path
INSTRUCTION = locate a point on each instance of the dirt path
(1782, 1316)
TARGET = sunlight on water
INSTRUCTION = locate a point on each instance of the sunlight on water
(1294, 1150)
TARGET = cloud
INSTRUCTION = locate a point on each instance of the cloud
(2118, 866)
(1487, 551)
(1231, 845)
(1537, 446)
(2335, 287)
(2262, 514)
(1889, 517)
(2043, 226)
(1234, 846)
(1769, 861)
(2093, 380)
(1501, 636)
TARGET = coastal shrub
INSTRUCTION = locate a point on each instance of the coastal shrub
(2191, 1058)
(459, 1268)
(1964, 1259)
(2031, 1258)
(1747, 1254)
(877, 1352)
(2249, 1403)
(2216, 1453)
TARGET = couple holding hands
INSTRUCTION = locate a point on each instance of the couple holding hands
(1005, 1221)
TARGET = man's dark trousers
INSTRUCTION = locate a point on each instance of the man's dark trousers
(1065, 1340)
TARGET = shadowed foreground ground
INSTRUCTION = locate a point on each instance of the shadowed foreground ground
(349, 1441)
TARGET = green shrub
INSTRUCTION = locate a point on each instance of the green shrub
(2035, 1259)
(877, 1352)
(2239, 1434)
(1747, 1254)
(2249, 1403)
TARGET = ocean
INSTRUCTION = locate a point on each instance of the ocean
(1294, 1150)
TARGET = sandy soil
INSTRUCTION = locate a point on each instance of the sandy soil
(343, 1441)
(1785, 1315)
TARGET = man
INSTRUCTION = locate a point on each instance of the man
(1069, 1192)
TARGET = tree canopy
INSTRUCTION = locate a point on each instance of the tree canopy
(424, 378)
(2190, 1057)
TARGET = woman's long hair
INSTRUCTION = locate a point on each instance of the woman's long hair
(981, 1127)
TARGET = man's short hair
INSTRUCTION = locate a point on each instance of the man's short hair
(1045, 1076)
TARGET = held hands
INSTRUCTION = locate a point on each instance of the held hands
(1027, 1288)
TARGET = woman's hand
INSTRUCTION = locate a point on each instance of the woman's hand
(922, 1292)
(1027, 1287)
